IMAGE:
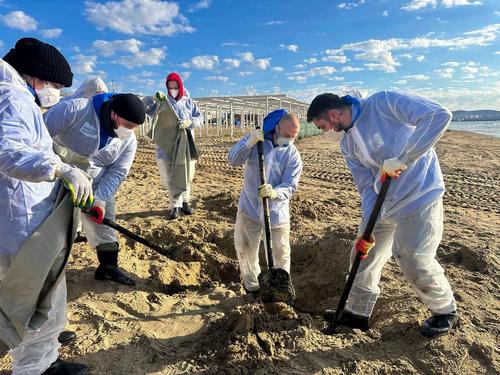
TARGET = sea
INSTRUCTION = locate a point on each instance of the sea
(482, 127)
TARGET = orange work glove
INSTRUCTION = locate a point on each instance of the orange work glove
(363, 247)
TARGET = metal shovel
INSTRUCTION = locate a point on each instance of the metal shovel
(334, 323)
(275, 283)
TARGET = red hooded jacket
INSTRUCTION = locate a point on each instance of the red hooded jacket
(175, 77)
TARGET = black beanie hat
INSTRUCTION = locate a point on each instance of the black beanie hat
(129, 106)
(40, 60)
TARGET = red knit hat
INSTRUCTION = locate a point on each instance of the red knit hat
(175, 77)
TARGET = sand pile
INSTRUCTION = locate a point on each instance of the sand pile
(189, 314)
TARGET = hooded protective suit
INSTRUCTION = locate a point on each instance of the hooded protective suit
(392, 124)
(283, 167)
(27, 196)
(75, 125)
(186, 109)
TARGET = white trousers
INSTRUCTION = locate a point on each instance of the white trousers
(40, 348)
(177, 197)
(413, 240)
(98, 234)
(247, 238)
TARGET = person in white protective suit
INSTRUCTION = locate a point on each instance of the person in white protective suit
(189, 118)
(100, 134)
(392, 133)
(31, 76)
(283, 167)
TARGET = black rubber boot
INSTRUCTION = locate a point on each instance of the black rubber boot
(174, 214)
(65, 337)
(347, 319)
(60, 367)
(186, 209)
(108, 265)
(80, 238)
(253, 293)
(439, 324)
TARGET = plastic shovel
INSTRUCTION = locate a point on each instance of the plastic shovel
(334, 323)
(275, 283)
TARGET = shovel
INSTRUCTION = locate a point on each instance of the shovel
(332, 324)
(110, 223)
(275, 283)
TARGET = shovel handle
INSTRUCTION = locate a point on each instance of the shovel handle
(265, 206)
(132, 235)
(357, 260)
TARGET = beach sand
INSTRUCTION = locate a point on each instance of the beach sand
(191, 315)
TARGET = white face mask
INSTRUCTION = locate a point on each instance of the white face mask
(123, 133)
(282, 141)
(173, 93)
(48, 95)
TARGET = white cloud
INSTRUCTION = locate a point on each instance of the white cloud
(312, 60)
(217, 78)
(351, 5)
(109, 48)
(245, 73)
(205, 62)
(386, 13)
(19, 20)
(419, 4)
(420, 58)
(379, 52)
(130, 52)
(446, 73)
(146, 17)
(334, 55)
(302, 76)
(152, 56)
(452, 64)
(299, 78)
(417, 77)
(262, 64)
(497, 13)
(351, 69)
(290, 47)
(336, 78)
(185, 75)
(401, 82)
(234, 44)
(83, 64)
(273, 23)
(203, 4)
(497, 52)
(277, 69)
(248, 57)
(299, 66)
(51, 33)
(232, 63)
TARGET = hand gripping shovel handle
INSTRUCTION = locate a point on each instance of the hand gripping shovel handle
(357, 260)
(265, 206)
(132, 235)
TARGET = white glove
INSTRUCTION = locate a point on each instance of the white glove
(78, 183)
(267, 191)
(256, 135)
(393, 167)
(184, 124)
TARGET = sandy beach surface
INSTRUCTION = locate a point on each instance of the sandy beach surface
(191, 315)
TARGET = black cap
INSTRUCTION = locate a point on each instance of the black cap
(40, 60)
(129, 106)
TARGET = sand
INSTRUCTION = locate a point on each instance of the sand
(191, 315)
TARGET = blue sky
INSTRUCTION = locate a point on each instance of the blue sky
(448, 50)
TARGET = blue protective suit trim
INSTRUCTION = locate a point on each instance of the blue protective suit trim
(105, 135)
(355, 109)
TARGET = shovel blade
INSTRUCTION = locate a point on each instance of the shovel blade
(276, 286)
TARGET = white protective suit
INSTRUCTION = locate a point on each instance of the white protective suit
(89, 88)
(27, 196)
(186, 109)
(400, 125)
(74, 124)
(283, 167)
